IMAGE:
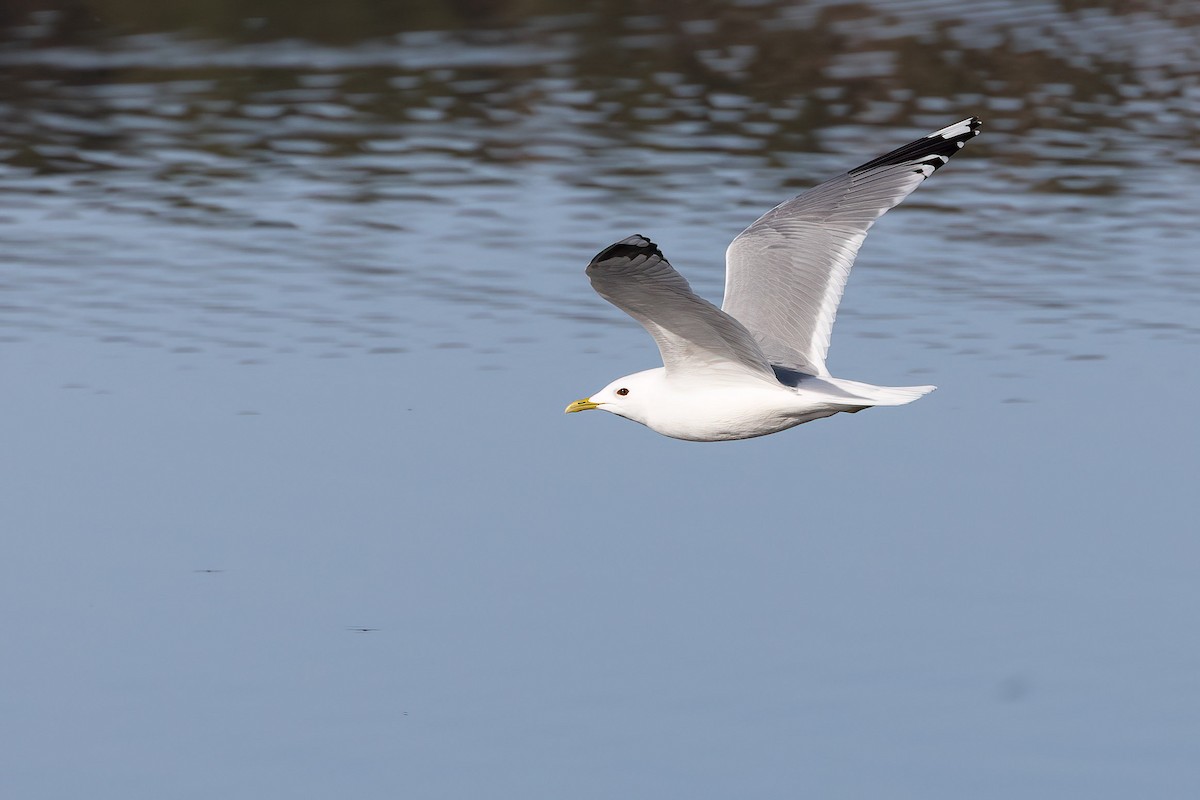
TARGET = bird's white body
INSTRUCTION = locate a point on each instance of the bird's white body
(757, 364)
(722, 411)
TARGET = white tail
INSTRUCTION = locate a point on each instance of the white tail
(898, 395)
(881, 395)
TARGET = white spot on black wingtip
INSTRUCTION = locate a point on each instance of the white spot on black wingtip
(959, 130)
(636, 246)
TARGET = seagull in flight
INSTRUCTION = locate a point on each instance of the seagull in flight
(756, 365)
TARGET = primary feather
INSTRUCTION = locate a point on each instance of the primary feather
(785, 274)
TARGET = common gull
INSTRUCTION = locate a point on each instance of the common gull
(757, 364)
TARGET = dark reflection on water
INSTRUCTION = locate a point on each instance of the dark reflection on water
(352, 179)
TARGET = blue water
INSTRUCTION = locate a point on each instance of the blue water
(288, 320)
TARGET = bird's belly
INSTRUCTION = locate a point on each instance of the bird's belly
(722, 416)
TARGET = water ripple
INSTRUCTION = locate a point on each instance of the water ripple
(429, 188)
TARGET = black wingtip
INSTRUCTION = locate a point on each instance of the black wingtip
(630, 248)
(930, 151)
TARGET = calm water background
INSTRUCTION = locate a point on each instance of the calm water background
(291, 300)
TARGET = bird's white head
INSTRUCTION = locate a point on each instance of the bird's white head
(631, 397)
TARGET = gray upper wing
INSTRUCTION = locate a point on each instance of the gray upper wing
(694, 336)
(784, 275)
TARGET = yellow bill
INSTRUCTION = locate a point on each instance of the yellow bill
(581, 405)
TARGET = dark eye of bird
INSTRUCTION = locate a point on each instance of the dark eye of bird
(622, 392)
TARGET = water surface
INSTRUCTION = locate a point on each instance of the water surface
(290, 304)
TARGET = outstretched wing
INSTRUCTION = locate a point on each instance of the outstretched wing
(784, 275)
(693, 335)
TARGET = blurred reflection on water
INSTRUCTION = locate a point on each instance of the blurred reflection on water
(210, 180)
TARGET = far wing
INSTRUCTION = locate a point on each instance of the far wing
(693, 335)
(784, 275)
